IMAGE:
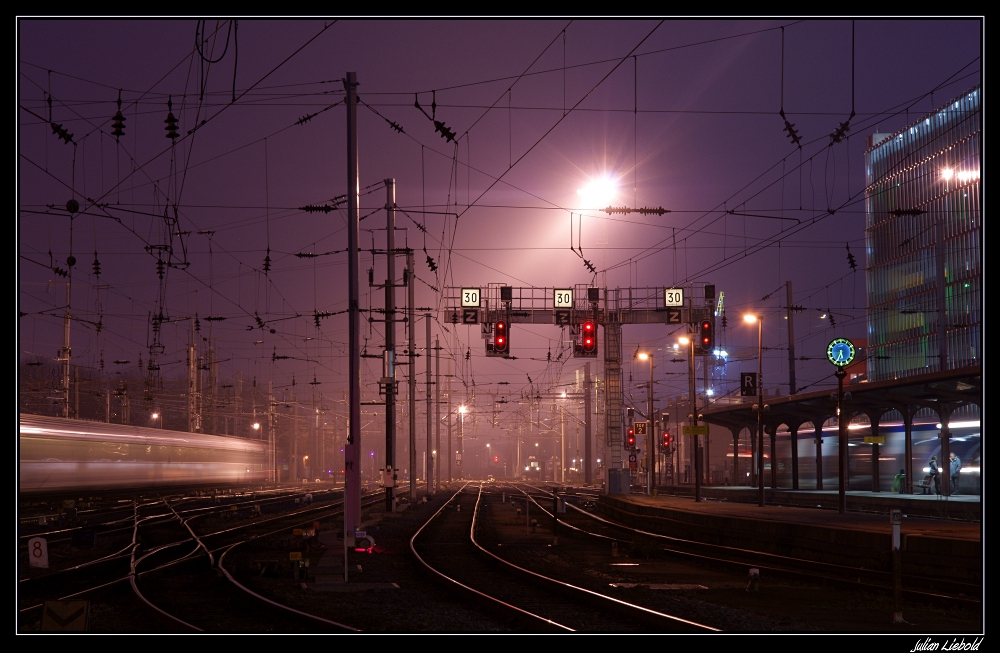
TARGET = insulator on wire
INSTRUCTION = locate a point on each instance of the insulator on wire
(160, 265)
(171, 121)
(61, 132)
(97, 266)
(118, 126)
(267, 261)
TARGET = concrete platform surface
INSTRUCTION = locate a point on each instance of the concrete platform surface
(828, 518)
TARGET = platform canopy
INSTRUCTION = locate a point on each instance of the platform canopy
(942, 392)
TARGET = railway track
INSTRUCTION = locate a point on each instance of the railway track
(589, 524)
(175, 572)
(447, 546)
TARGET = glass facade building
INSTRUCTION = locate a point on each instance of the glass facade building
(923, 237)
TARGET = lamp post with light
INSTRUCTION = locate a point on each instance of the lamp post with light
(158, 420)
(461, 440)
(759, 319)
(650, 440)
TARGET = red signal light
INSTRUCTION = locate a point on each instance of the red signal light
(630, 439)
(706, 335)
(589, 330)
(496, 459)
(501, 341)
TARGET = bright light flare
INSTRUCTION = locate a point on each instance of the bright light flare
(684, 340)
(947, 173)
(462, 409)
(256, 426)
(750, 318)
(155, 415)
(599, 192)
(644, 357)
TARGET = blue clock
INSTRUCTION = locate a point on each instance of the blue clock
(840, 352)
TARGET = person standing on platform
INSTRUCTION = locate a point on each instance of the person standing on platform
(956, 467)
(932, 469)
(899, 482)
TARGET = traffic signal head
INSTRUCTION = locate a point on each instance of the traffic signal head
(496, 459)
(501, 341)
(589, 334)
(667, 439)
(706, 335)
(630, 439)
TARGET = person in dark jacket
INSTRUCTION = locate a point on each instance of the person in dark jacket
(955, 468)
(932, 470)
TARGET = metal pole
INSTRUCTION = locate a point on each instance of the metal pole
(437, 414)
(791, 338)
(562, 443)
(760, 410)
(896, 518)
(650, 434)
(352, 449)
(390, 346)
(450, 452)
(842, 442)
(430, 413)
(588, 435)
(459, 457)
(412, 385)
(271, 435)
(694, 422)
(66, 354)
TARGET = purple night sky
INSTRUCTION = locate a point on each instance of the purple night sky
(691, 124)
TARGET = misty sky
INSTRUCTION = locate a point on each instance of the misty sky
(539, 108)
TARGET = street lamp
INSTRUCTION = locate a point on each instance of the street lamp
(598, 192)
(460, 454)
(649, 428)
(157, 416)
(759, 319)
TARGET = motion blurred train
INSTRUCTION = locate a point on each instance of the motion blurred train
(59, 454)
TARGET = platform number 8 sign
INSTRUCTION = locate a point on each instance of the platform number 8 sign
(38, 552)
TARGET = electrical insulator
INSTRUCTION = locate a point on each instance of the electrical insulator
(171, 121)
(119, 120)
(97, 266)
(61, 132)
(159, 268)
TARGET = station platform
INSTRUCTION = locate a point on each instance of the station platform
(959, 507)
(932, 546)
